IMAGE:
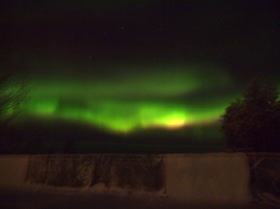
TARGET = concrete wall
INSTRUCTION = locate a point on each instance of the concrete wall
(208, 177)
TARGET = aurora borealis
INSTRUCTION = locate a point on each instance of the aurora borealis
(129, 66)
(138, 99)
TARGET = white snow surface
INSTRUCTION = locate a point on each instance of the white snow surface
(13, 169)
(221, 177)
(217, 177)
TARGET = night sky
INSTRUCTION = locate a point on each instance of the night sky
(124, 65)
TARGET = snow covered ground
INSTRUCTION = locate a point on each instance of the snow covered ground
(220, 177)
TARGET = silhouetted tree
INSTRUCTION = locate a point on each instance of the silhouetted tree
(253, 122)
(12, 93)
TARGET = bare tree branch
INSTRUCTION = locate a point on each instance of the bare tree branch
(12, 93)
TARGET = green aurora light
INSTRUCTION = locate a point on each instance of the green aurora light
(167, 98)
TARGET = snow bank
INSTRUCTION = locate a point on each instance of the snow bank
(13, 169)
(208, 177)
(222, 177)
